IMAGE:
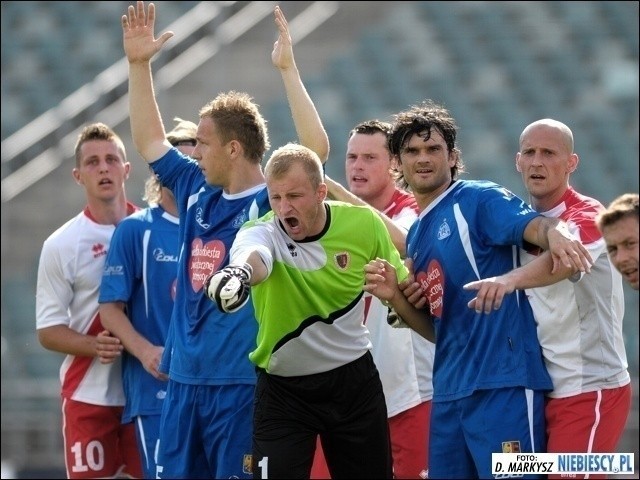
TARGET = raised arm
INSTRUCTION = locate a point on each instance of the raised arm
(311, 132)
(140, 46)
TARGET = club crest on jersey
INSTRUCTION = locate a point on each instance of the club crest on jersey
(511, 447)
(342, 260)
(444, 231)
(239, 220)
(292, 249)
(247, 460)
(507, 194)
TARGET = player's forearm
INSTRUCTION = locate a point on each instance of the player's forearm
(115, 320)
(537, 273)
(418, 320)
(259, 269)
(147, 129)
(62, 339)
(537, 231)
(307, 122)
(337, 191)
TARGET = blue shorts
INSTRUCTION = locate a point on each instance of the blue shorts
(147, 428)
(205, 431)
(465, 432)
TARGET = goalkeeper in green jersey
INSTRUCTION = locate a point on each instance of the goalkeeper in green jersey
(304, 266)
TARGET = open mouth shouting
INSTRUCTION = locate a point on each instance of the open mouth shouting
(293, 227)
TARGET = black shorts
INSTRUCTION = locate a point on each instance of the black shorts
(345, 406)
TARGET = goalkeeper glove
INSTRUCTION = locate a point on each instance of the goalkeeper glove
(394, 320)
(229, 287)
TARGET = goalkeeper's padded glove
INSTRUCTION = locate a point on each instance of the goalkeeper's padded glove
(229, 287)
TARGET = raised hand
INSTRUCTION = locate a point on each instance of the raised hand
(282, 55)
(229, 287)
(140, 45)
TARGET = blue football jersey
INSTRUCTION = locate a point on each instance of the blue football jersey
(140, 270)
(207, 346)
(470, 232)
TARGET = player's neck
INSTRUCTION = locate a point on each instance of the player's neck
(108, 212)
(382, 201)
(244, 180)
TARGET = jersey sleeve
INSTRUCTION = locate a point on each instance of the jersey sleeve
(180, 174)
(54, 288)
(121, 272)
(501, 215)
(387, 250)
(405, 218)
(255, 236)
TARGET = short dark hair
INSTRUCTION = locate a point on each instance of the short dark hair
(371, 127)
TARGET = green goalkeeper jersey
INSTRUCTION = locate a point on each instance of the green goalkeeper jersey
(310, 309)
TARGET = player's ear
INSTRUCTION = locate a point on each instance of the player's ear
(321, 192)
(518, 163)
(75, 173)
(573, 162)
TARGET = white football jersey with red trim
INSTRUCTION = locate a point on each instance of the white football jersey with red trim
(580, 322)
(69, 275)
(404, 358)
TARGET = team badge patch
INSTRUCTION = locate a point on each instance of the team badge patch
(511, 447)
(247, 460)
(342, 260)
(444, 230)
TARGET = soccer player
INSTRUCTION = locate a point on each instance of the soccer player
(205, 429)
(488, 364)
(619, 227)
(404, 359)
(136, 297)
(96, 443)
(579, 318)
(303, 263)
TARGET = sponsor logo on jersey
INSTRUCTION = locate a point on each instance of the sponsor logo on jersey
(160, 256)
(205, 259)
(200, 218)
(113, 270)
(98, 250)
(432, 285)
